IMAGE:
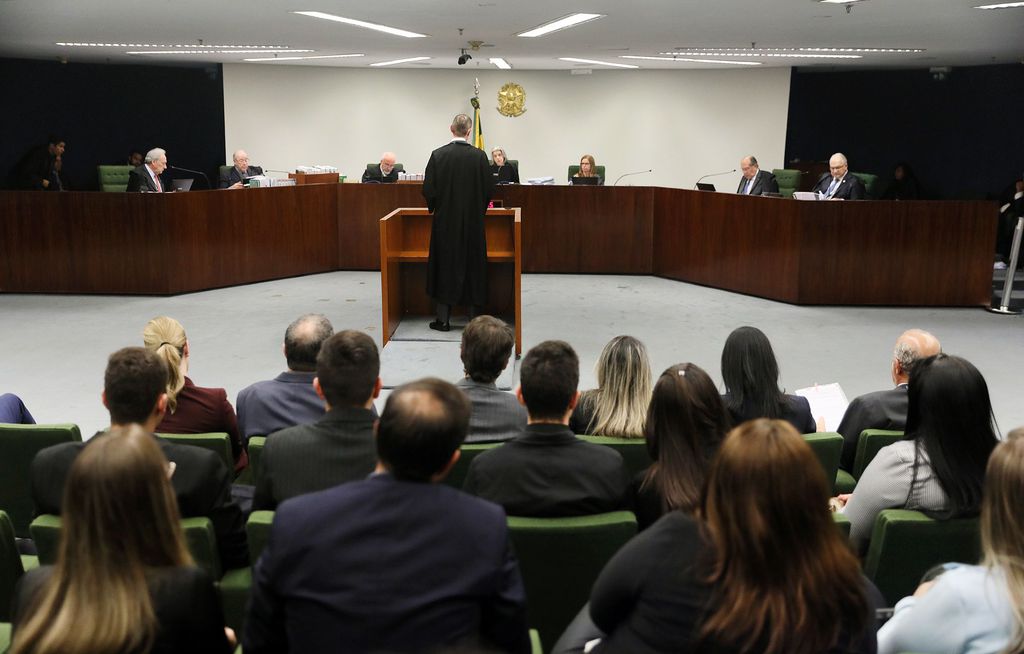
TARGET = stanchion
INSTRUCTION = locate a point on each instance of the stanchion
(1011, 269)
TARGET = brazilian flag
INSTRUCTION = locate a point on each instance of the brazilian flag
(478, 130)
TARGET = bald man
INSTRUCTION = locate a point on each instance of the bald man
(886, 409)
(236, 176)
(839, 183)
(385, 173)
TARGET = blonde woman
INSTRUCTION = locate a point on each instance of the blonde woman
(588, 168)
(191, 409)
(503, 171)
(124, 581)
(618, 406)
(975, 608)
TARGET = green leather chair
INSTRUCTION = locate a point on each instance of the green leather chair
(217, 442)
(18, 446)
(906, 544)
(599, 170)
(827, 446)
(457, 475)
(257, 532)
(560, 558)
(788, 179)
(870, 185)
(11, 566)
(871, 441)
(633, 450)
(113, 179)
(5, 637)
(256, 445)
(843, 523)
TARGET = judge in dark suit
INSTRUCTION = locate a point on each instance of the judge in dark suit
(396, 562)
(134, 391)
(337, 448)
(146, 178)
(755, 181)
(839, 183)
(235, 177)
(385, 173)
(457, 186)
(503, 171)
(886, 409)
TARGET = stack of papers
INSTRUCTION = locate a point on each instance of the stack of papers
(541, 181)
(827, 401)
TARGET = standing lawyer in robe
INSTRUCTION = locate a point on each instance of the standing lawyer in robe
(457, 186)
(755, 181)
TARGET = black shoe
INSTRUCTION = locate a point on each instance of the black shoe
(439, 326)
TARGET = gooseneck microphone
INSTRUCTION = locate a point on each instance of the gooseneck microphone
(639, 172)
(195, 172)
(724, 172)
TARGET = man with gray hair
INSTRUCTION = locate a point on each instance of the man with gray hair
(384, 173)
(146, 178)
(289, 399)
(235, 176)
(886, 409)
(839, 183)
(755, 181)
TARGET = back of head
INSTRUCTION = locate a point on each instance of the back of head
(912, 346)
(486, 347)
(422, 425)
(462, 125)
(348, 366)
(548, 377)
(133, 382)
(624, 389)
(949, 414)
(303, 340)
(1002, 528)
(765, 506)
(166, 337)
(685, 424)
(751, 373)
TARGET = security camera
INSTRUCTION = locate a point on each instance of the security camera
(463, 58)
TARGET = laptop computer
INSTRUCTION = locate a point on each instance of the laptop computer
(701, 186)
(181, 184)
(585, 181)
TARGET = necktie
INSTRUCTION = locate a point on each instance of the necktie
(832, 187)
(159, 186)
(746, 187)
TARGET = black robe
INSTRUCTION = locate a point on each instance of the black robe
(457, 186)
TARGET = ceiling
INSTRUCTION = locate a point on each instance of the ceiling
(951, 32)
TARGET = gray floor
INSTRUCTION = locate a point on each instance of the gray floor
(55, 347)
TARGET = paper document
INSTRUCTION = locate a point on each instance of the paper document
(828, 401)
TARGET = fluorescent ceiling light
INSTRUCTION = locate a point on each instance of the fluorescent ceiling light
(177, 45)
(794, 55)
(598, 63)
(399, 61)
(206, 52)
(838, 2)
(1002, 5)
(694, 61)
(500, 63)
(560, 24)
(872, 50)
(752, 51)
(394, 31)
(341, 56)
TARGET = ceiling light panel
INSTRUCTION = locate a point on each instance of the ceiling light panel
(207, 52)
(400, 61)
(694, 61)
(1002, 5)
(177, 45)
(560, 24)
(596, 63)
(394, 31)
(337, 56)
(500, 63)
(793, 55)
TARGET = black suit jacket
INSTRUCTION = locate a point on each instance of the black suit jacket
(140, 180)
(232, 176)
(878, 410)
(547, 472)
(383, 565)
(850, 188)
(375, 175)
(796, 411)
(308, 458)
(764, 182)
(201, 483)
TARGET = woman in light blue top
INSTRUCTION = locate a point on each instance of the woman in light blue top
(975, 608)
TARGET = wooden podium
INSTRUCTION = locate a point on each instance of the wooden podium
(404, 248)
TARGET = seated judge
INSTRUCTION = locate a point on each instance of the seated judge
(504, 172)
(235, 178)
(146, 178)
(755, 181)
(385, 173)
(839, 183)
(588, 169)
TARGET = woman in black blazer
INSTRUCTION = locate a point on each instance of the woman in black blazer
(504, 172)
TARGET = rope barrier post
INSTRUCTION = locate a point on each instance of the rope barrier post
(1011, 269)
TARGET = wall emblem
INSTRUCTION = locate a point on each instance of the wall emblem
(512, 100)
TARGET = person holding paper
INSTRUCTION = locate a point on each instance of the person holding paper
(838, 183)
(235, 177)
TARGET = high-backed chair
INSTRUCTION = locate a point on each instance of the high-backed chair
(633, 450)
(871, 441)
(788, 179)
(11, 566)
(217, 442)
(113, 179)
(560, 558)
(905, 544)
(257, 532)
(870, 185)
(827, 446)
(18, 446)
(598, 170)
(457, 475)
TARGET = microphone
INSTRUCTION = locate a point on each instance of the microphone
(724, 172)
(196, 172)
(274, 170)
(639, 172)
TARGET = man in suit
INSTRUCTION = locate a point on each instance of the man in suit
(886, 409)
(146, 178)
(838, 183)
(289, 399)
(35, 170)
(457, 185)
(385, 173)
(135, 392)
(755, 181)
(546, 471)
(486, 348)
(396, 562)
(235, 177)
(337, 448)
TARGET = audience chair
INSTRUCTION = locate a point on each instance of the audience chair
(868, 445)
(633, 450)
(560, 558)
(870, 185)
(827, 446)
(788, 180)
(18, 446)
(45, 531)
(234, 588)
(906, 544)
(256, 445)
(218, 442)
(12, 566)
(457, 475)
(113, 179)
(598, 170)
(843, 523)
(257, 532)
(5, 637)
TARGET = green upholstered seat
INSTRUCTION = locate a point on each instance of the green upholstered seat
(871, 441)
(827, 446)
(234, 588)
(217, 442)
(905, 544)
(18, 446)
(788, 180)
(560, 558)
(257, 532)
(633, 450)
(870, 185)
(5, 637)
(256, 445)
(46, 535)
(598, 170)
(843, 523)
(457, 475)
(113, 179)
(845, 483)
(11, 566)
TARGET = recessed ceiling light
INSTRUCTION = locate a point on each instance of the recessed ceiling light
(560, 24)
(339, 56)
(1002, 5)
(871, 50)
(206, 52)
(500, 63)
(177, 45)
(394, 31)
(598, 63)
(399, 61)
(795, 55)
(694, 61)
(695, 51)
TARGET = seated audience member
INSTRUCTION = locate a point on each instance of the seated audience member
(765, 571)
(546, 471)
(191, 409)
(146, 178)
(751, 376)
(886, 409)
(504, 172)
(974, 608)
(618, 405)
(124, 580)
(486, 348)
(396, 562)
(588, 169)
(755, 181)
(135, 158)
(135, 392)
(686, 422)
(235, 177)
(940, 467)
(385, 173)
(337, 448)
(903, 185)
(34, 171)
(13, 411)
(839, 183)
(289, 399)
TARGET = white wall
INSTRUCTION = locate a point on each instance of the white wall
(684, 124)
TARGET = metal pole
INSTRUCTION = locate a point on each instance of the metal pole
(1011, 269)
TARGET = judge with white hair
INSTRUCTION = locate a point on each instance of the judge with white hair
(146, 178)
(235, 176)
(839, 183)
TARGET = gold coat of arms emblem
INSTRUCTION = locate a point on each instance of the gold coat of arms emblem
(512, 100)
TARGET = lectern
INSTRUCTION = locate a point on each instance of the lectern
(405, 246)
